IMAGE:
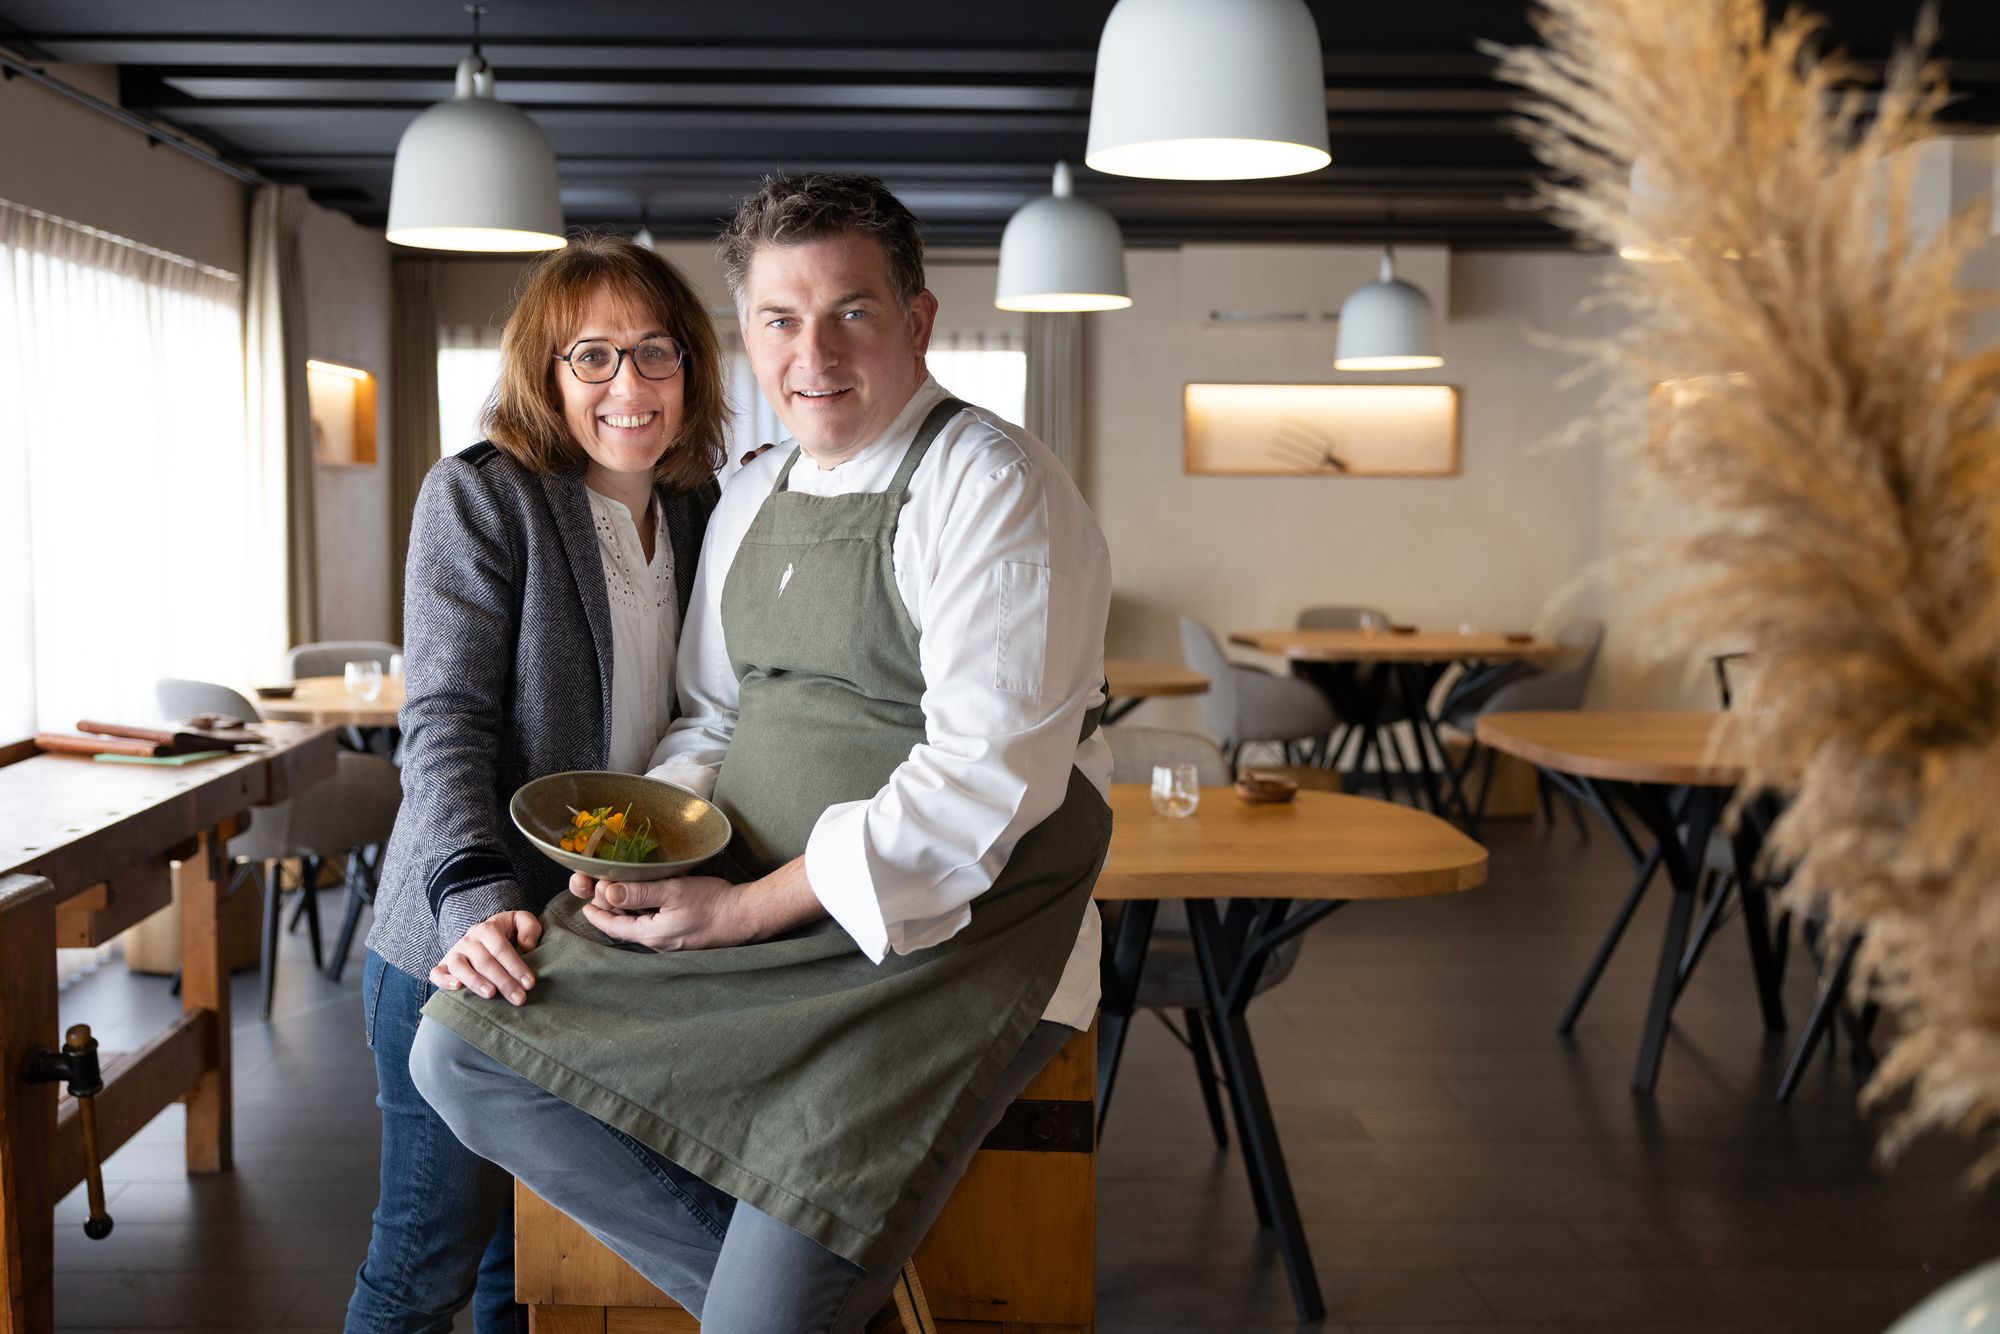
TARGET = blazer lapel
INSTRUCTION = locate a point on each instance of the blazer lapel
(578, 531)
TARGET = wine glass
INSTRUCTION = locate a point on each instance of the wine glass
(1176, 789)
(364, 679)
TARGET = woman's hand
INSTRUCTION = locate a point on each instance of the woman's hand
(487, 959)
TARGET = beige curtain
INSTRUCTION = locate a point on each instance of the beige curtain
(274, 363)
(413, 405)
(1055, 384)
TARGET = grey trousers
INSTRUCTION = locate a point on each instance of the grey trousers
(734, 1268)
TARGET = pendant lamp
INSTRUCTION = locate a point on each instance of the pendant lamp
(1646, 201)
(1388, 325)
(1062, 253)
(643, 238)
(1208, 90)
(474, 173)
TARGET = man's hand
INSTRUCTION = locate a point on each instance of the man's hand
(696, 912)
(487, 959)
(699, 912)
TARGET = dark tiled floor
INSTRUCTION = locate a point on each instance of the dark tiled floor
(1461, 1170)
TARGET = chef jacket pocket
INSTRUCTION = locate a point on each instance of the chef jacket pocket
(1030, 624)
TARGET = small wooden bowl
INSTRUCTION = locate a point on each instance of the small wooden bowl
(690, 830)
(276, 692)
(1263, 790)
(1402, 629)
(1518, 637)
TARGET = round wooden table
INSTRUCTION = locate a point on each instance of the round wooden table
(324, 700)
(1274, 870)
(1130, 682)
(1665, 769)
(1438, 646)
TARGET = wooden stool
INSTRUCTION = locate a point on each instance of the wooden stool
(1014, 1252)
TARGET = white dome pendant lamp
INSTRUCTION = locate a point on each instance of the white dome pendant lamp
(1388, 325)
(1062, 253)
(1208, 90)
(475, 173)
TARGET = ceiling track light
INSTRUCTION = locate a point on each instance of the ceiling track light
(1208, 90)
(1061, 253)
(474, 173)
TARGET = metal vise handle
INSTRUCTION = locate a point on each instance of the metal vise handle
(76, 1064)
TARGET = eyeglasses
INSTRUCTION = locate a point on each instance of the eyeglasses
(597, 360)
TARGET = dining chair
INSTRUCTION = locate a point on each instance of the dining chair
(348, 815)
(1509, 688)
(329, 657)
(1249, 704)
(1171, 979)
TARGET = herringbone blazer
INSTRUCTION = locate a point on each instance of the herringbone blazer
(507, 674)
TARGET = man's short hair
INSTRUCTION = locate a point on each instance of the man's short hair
(816, 205)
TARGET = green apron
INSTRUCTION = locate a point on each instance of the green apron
(795, 1074)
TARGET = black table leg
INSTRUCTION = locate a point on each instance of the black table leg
(1654, 809)
(1227, 983)
(1114, 709)
(1746, 841)
(1124, 958)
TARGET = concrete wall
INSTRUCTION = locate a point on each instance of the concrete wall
(65, 159)
(1497, 546)
(347, 321)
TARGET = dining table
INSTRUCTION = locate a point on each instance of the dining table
(1253, 876)
(1407, 663)
(1673, 773)
(1130, 682)
(326, 700)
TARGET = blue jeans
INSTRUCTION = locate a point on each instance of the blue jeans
(444, 1223)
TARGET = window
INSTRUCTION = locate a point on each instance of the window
(468, 368)
(135, 515)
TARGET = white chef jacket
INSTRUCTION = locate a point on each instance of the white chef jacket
(1004, 571)
(643, 630)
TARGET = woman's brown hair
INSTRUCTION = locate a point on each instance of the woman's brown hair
(525, 416)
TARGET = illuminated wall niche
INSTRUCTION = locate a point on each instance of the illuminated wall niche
(343, 414)
(1320, 430)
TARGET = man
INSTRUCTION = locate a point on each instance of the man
(766, 1083)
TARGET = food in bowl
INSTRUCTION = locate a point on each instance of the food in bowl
(612, 835)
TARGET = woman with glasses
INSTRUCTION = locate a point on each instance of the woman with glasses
(549, 569)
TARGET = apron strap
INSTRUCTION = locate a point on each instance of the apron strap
(933, 423)
(926, 433)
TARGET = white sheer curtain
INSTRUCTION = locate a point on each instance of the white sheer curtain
(468, 362)
(135, 515)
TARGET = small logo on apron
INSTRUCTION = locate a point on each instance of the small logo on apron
(784, 579)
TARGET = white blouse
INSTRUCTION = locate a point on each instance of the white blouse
(644, 633)
(1008, 579)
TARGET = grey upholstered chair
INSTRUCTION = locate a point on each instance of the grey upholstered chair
(1559, 686)
(350, 813)
(329, 657)
(1171, 979)
(1246, 704)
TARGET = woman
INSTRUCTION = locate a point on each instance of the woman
(549, 569)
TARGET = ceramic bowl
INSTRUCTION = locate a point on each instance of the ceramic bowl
(1265, 789)
(690, 830)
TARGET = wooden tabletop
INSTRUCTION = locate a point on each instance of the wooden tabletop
(1131, 678)
(1619, 746)
(1317, 846)
(324, 700)
(78, 821)
(1388, 646)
